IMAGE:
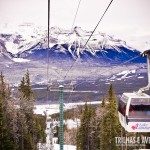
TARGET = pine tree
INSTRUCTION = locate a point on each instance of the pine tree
(110, 123)
(99, 113)
(31, 129)
(94, 131)
(26, 94)
(20, 129)
(6, 141)
(26, 112)
(83, 136)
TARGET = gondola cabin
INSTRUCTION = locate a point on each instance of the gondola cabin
(134, 112)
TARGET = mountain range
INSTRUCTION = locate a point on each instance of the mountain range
(29, 42)
(98, 63)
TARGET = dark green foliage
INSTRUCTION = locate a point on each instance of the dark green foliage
(25, 87)
(110, 123)
(94, 132)
(88, 134)
(6, 142)
(25, 96)
(40, 126)
(28, 138)
(99, 128)
(33, 126)
(99, 118)
(68, 114)
(85, 138)
(20, 129)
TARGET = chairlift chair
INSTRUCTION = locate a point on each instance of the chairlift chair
(67, 87)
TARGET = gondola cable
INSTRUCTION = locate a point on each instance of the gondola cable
(98, 23)
(69, 37)
(76, 14)
(108, 70)
(48, 49)
(89, 37)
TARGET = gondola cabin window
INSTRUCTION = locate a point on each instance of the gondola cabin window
(139, 108)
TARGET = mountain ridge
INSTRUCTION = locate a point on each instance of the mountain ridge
(65, 44)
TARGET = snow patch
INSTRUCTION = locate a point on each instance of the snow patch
(20, 60)
(54, 108)
(11, 47)
(66, 147)
(126, 72)
(140, 77)
(72, 124)
(123, 75)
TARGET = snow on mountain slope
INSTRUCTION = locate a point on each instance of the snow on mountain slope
(21, 38)
(139, 72)
(123, 75)
(30, 42)
(20, 60)
(4, 55)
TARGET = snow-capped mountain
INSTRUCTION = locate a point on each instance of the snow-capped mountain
(21, 38)
(4, 54)
(30, 42)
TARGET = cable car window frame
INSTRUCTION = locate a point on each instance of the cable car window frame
(137, 104)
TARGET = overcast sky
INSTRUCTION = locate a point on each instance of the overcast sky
(131, 15)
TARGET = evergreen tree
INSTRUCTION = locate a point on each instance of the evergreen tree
(83, 136)
(20, 129)
(110, 123)
(99, 117)
(94, 131)
(26, 94)
(6, 142)
(31, 130)
(26, 112)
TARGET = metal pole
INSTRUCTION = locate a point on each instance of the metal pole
(148, 68)
(48, 48)
(61, 134)
(147, 54)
